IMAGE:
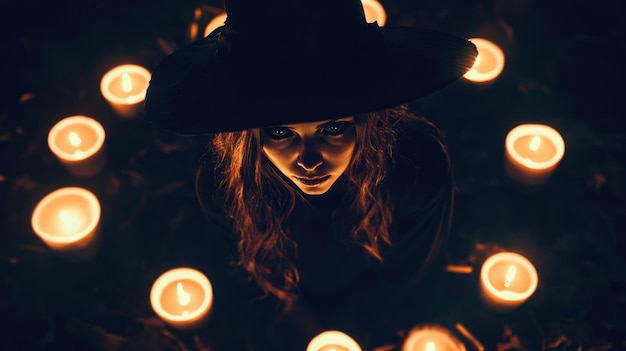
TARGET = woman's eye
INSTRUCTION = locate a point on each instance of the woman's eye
(278, 133)
(336, 128)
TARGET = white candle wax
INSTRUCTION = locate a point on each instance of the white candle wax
(124, 88)
(67, 220)
(533, 151)
(182, 298)
(78, 143)
(333, 340)
(489, 62)
(431, 338)
(507, 280)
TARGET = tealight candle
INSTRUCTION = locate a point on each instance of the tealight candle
(78, 143)
(374, 11)
(533, 151)
(67, 220)
(489, 62)
(124, 87)
(182, 297)
(507, 280)
(333, 340)
(216, 22)
(431, 338)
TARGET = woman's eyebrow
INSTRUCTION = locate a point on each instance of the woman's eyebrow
(333, 120)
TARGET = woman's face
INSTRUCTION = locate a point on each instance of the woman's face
(312, 155)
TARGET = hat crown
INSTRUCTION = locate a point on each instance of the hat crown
(295, 20)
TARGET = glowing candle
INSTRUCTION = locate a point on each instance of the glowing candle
(78, 143)
(124, 87)
(507, 280)
(431, 338)
(374, 11)
(533, 151)
(67, 220)
(489, 62)
(216, 22)
(182, 298)
(333, 340)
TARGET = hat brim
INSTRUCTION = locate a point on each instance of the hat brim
(195, 91)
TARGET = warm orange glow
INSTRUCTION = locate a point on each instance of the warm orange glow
(68, 222)
(533, 151)
(333, 340)
(333, 348)
(489, 62)
(78, 143)
(67, 219)
(535, 144)
(507, 279)
(127, 84)
(75, 140)
(430, 346)
(374, 12)
(216, 22)
(182, 297)
(432, 338)
(193, 29)
(510, 276)
(461, 269)
(72, 132)
(124, 87)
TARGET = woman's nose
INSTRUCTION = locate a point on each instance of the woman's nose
(309, 158)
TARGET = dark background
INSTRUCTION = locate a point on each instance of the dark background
(564, 68)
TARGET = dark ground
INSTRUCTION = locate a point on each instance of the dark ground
(564, 68)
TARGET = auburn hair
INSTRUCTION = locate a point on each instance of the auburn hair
(259, 199)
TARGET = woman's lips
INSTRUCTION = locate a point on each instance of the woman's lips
(312, 181)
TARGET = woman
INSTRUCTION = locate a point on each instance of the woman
(317, 204)
(317, 166)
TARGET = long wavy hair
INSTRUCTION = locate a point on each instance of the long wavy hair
(259, 199)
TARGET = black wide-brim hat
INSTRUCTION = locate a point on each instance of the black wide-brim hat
(299, 61)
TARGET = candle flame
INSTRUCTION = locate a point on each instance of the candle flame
(75, 140)
(127, 84)
(535, 143)
(69, 223)
(510, 276)
(183, 297)
(430, 346)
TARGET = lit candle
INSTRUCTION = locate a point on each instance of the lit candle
(333, 340)
(78, 143)
(216, 22)
(533, 151)
(182, 297)
(124, 87)
(507, 280)
(374, 11)
(67, 220)
(489, 62)
(431, 338)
